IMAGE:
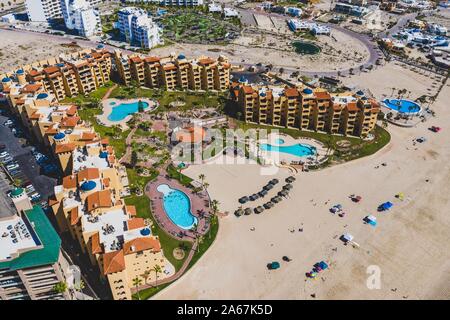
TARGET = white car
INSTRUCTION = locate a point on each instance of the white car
(8, 122)
(4, 154)
(12, 167)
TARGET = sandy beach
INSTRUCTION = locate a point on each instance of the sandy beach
(410, 245)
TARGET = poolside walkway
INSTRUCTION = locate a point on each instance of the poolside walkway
(199, 207)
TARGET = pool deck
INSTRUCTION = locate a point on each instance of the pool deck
(199, 203)
(107, 109)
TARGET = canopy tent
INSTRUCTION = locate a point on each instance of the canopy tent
(283, 193)
(370, 219)
(239, 212)
(268, 187)
(248, 211)
(262, 193)
(385, 206)
(347, 237)
(400, 196)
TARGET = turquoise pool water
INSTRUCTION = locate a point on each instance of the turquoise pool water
(279, 141)
(404, 106)
(122, 110)
(298, 149)
(177, 206)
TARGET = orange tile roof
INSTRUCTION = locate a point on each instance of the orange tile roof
(74, 217)
(88, 136)
(131, 210)
(135, 223)
(31, 88)
(70, 182)
(247, 89)
(170, 67)
(88, 174)
(51, 69)
(72, 110)
(99, 199)
(192, 134)
(95, 244)
(206, 61)
(106, 182)
(111, 159)
(66, 147)
(291, 92)
(20, 101)
(70, 121)
(136, 59)
(352, 106)
(152, 59)
(51, 130)
(113, 262)
(141, 244)
(34, 73)
(321, 95)
(35, 116)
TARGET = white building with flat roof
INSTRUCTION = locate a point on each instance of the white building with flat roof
(230, 13)
(138, 28)
(81, 16)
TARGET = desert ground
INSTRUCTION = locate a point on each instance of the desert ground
(410, 245)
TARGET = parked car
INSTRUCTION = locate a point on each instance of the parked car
(435, 129)
(8, 122)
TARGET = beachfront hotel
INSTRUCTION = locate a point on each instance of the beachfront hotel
(31, 263)
(172, 73)
(88, 203)
(306, 109)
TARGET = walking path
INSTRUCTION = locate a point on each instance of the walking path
(127, 156)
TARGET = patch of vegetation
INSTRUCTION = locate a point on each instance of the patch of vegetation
(176, 174)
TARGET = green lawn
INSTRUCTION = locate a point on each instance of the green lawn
(175, 174)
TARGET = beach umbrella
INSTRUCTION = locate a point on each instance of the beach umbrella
(243, 200)
(262, 193)
(279, 199)
(275, 199)
(247, 211)
(347, 237)
(287, 186)
(274, 181)
(259, 209)
(268, 187)
(290, 179)
(268, 205)
(239, 212)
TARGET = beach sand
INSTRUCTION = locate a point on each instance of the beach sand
(410, 245)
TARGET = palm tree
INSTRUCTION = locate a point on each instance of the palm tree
(157, 269)
(215, 206)
(60, 287)
(205, 185)
(202, 178)
(137, 282)
(146, 275)
(79, 286)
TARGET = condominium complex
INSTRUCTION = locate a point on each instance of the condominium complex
(45, 10)
(306, 109)
(138, 28)
(173, 73)
(88, 202)
(31, 263)
(81, 16)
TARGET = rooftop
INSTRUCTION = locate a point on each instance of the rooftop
(40, 247)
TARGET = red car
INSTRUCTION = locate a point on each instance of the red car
(435, 129)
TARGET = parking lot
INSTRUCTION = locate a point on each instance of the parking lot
(20, 163)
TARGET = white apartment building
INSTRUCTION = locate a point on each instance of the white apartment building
(138, 28)
(80, 15)
(43, 10)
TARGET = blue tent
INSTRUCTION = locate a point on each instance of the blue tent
(323, 265)
(385, 206)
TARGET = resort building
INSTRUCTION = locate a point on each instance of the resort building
(175, 73)
(81, 16)
(138, 28)
(31, 263)
(306, 109)
(352, 10)
(67, 76)
(43, 10)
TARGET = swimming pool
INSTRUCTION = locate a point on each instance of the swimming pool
(279, 141)
(402, 105)
(298, 149)
(122, 110)
(177, 206)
